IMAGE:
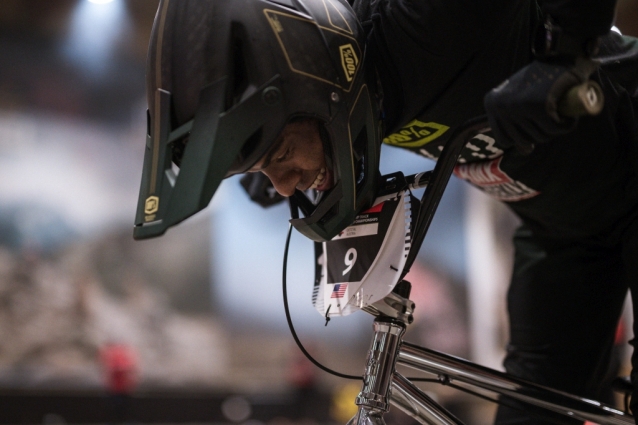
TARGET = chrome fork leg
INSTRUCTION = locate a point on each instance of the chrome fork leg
(374, 398)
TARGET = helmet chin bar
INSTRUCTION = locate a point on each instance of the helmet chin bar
(206, 159)
(356, 174)
(320, 223)
(326, 219)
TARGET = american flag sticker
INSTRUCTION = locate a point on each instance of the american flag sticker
(339, 290)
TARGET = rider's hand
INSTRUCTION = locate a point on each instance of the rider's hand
(523, 110)
(260, 189)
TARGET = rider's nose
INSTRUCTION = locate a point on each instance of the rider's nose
(286, 183)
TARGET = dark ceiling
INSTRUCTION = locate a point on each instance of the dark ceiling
(37, 73)
(627, 17)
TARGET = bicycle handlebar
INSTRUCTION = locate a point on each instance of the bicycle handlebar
(584, 99)
(437, 181)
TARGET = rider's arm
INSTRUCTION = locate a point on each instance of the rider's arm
(583, 18)
(580, 23)
(525, 109)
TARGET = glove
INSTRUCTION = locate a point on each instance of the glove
(524, 110)
(260, 189)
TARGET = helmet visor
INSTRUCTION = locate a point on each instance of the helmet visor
(215, 144)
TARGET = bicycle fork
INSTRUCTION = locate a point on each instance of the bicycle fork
(373, 400)
(382, 385)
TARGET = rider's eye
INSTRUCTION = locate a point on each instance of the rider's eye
(286, 155)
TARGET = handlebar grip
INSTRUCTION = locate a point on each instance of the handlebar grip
(584, 99)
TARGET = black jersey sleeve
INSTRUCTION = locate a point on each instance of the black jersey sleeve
(582, 18)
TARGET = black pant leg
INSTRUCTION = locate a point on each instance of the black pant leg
(564, 303)
(630, 260)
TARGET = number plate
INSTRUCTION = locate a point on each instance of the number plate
(362, 264)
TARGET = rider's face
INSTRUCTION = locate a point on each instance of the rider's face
(297, 161)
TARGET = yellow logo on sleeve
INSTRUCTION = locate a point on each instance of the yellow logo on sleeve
(416, 134)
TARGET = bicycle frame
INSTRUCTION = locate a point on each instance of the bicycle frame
(383, 385)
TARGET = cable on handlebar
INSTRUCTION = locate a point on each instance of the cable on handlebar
(289, 319)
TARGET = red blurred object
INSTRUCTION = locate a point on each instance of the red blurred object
(120, 367)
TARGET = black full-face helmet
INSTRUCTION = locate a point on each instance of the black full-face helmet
(224, 77)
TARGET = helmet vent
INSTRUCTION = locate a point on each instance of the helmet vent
(177, 149)
(359, 156)
(251, 144)
(239, 66)
(285, 3)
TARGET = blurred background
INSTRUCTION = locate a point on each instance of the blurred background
(190, 327)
